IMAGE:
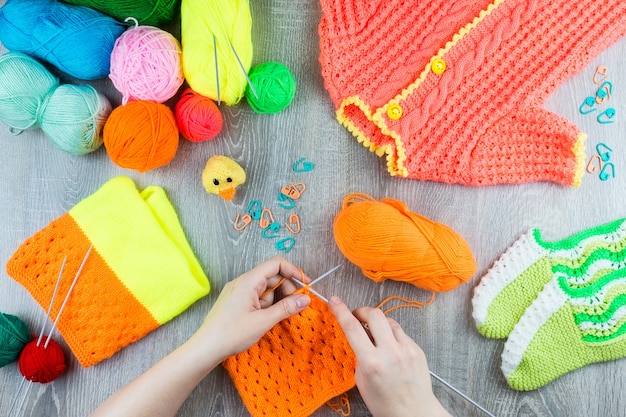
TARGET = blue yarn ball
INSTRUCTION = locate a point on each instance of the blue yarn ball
(76, 39)
(71, 116)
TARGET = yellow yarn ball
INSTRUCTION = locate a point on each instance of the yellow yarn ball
(227, 24)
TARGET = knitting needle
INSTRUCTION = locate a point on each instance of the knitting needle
(80, 269)
(244, 70)
(318, 279)
(465, 397)
(217, 72)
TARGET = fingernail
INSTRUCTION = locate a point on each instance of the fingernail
(335, 300)
(303, 301)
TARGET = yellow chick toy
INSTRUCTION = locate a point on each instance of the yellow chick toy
(222, 176)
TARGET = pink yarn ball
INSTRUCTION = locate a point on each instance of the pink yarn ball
(198, 117)
(146, 65)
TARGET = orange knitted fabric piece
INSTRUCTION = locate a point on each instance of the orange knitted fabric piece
(452, 91)
(299, 365)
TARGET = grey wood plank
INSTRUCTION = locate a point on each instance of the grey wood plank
(39, 183)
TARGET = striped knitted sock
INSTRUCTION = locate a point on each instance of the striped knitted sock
(517, 277)
(567, 327)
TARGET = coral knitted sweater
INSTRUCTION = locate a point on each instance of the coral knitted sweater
(452, 91)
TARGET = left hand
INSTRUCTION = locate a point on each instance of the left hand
(244, 312)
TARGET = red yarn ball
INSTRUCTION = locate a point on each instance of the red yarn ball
(39, 364)
(197, 117)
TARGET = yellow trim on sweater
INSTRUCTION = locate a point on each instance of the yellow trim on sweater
(397, 167)
(579, 152)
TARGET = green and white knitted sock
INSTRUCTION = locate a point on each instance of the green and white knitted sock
(567, 327)
(517, 277)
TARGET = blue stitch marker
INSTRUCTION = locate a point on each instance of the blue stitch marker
(607, 116)
(285, 244)
(302, 165)
(289, 201)
(588, 105)
(254, 209)
(274, 227)
(604, 151)
(604, 175)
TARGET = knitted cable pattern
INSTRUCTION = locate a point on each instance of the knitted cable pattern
(299, 365)
(452, 91)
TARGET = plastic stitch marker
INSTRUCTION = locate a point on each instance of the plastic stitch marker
(274, 227)
(254, 209)
(591, 167)
(241, 222)
(302, 165)
(604, 92)
(604, 152)
(285, 244)
(607, 116)
(604, 175)
(294, 190)
(588, 105)
(263, 221)
(289, 201)
(601, 71)
(295, 220)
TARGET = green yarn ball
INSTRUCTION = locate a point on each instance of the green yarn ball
(275, 87)
(14, 335)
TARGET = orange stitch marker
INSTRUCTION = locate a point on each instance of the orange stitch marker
(263, 221)
(294, 190)
(241, 222)
(601, 71)
(591, 167)
(295, 220)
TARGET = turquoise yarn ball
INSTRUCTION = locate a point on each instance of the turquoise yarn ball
(14, 335)
(71, 116)
(76, 39)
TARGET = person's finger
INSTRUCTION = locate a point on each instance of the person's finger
(269, 273)
(352, 327)
(377, 324)
(399, 333)
(285, 308)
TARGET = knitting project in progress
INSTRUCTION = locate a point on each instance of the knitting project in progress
(452, 91)
(562, 304)
(298, 366)
(141, 271)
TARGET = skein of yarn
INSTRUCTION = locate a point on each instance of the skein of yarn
(275, 86)
(71, 116)
(77, 40)
(198, 117)
(14, 334)
(147, 12)
(227, 25)
(43, 363)
(146, 64)
(141, 135)
(388, 241)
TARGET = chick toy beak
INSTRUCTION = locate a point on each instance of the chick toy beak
(227, 193)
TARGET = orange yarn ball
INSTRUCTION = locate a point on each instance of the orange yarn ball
(141, 135)
(388, 241)
(198, 117)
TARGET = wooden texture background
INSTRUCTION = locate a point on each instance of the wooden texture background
(39, 183)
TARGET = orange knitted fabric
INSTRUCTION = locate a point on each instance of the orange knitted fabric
(299, 365)
(452, 91)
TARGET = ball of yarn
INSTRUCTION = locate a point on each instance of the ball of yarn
(77, 40)
(146, 65)
(147, 12)
(198, 117)
(388, 241)
(71, 116)
(42, 363)
(274, 86)
(221, 28)
(14, 335)
(141, 135)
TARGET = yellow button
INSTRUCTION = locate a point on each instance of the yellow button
(438, 66)
(394, 112)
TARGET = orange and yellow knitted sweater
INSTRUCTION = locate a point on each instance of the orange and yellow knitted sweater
(452, 91)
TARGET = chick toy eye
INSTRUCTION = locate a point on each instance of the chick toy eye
(229, 179)
(216, 182)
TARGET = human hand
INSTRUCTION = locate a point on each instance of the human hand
(244, 312)
(391, 369)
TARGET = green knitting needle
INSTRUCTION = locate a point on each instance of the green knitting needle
(438, 378)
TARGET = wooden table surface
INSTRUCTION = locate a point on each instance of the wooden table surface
(38, 183)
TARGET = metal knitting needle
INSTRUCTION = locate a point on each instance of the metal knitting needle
(217, 72)
(54, 294)
(302, 284)
(465, 397)
(324, 275)
(243, 69)
(80, 269)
